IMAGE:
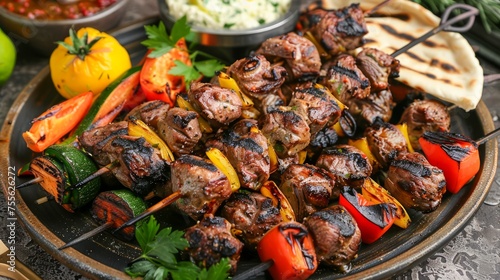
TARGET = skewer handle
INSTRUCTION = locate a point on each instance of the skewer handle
(158, 206)
(446, 24)
(254, 271)
(488, 136)
(30, 182)
(87, 235)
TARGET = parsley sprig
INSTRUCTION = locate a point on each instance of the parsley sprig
(160, 42)
(158, 260)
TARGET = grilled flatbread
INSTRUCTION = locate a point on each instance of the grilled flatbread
(444, 66)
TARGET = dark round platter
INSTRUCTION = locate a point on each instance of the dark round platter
(105, 257)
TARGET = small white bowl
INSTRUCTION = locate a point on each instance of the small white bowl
(234, 44)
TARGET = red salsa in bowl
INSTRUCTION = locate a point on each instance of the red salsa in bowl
(53, 10)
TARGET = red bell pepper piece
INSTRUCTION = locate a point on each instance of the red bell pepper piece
(373, 219)
(455, 154)
(57, 121)
(156, 82)
(291, 248)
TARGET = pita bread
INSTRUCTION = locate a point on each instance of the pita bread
(444, 66)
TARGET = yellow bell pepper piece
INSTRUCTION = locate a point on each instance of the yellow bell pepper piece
(140, 129)
(404, 129)
(270, 190)
(226, 81)
(273, 156)
(362, 145)
(373, 192)
(223, 164)
(184, 104)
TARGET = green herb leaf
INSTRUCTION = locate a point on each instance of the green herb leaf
(189, 72)
(158, 260)
(209, 67)
(146, 232)
(217, 271)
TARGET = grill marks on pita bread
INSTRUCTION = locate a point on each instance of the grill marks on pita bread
(444, 66)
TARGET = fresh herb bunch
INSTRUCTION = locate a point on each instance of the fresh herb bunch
(158, 260)
(160, 42)
(489, 10)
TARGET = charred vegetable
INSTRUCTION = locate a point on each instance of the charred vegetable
(373, 219)
(291, 249)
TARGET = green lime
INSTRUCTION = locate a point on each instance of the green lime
(7, 57)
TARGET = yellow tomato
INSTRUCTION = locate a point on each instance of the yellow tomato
(87, 60)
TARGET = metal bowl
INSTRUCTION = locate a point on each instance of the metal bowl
(233, 44)
(40, 35)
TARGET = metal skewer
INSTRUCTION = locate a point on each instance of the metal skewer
(446, 24)
(87, 235)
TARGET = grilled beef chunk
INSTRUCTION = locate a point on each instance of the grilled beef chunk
(287, 130)
(203, 186)
(378, 67)
(348, 163)
(253, 214)
(337, 237)
(386, 141)
(308, 188)
(93, 140)
(415, 183)
(339, 30)
(256, 76)
(211, 240)
(180, 130)
(344, 79)
(324, 138)
(301, 56)
(247, 150)
(319, 107)
(425, 115)
(218, 105)
(268, 102)
(377, 105)
(139, 166)
(149, 112)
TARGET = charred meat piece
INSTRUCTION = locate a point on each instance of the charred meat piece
(247, 150)
(339, 30)
(203, 186)
(93, 140)
(268, 102)
(386, 141)
(139, 166)
(377, 105)
(415, 183)
(308, 188)
(301, 56)
(349, 164)
(318, 106)
(149, 112)
(324, 138)
(253, 214)
(287, 130)
(180, 130)
(256, 76)
(425, 115)
(378, 67)
(345, 79)
(211, 240)
(217, 104)
(337, 236)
